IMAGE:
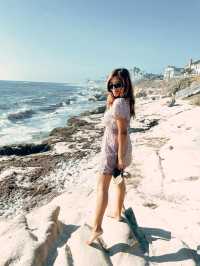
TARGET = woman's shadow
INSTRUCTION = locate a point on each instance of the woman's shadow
(146, 236)
(67, 231)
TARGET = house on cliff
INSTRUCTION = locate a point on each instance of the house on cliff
(173, 72)
(193, 67)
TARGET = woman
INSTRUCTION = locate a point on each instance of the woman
(116, 145)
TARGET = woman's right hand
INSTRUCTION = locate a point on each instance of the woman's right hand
(110, 99)
(121, 164)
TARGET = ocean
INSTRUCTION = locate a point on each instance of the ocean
(30, 110)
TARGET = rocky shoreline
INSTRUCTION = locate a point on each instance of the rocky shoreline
(33, 174)
(24, 168)
(161, 203)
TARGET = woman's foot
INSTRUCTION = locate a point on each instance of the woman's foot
(95, 235)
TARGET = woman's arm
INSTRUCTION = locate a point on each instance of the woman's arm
(122, 141)
(110, 100)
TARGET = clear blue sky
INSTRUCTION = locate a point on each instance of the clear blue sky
(69, 41)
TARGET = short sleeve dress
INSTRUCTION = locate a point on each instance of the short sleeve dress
(109, 146)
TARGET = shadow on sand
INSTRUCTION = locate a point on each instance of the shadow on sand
(144, 236)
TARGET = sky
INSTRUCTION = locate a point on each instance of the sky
(70, 41)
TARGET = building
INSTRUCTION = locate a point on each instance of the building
(173, 72)
(193, 67)
(136, 73)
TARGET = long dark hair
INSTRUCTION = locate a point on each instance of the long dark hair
(124, 76)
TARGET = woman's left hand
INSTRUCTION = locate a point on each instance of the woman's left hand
(110, 99)
(121, 164)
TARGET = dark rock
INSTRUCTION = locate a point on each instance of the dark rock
(20, 115)
(100, 97)
(68, 101)
(152, 123)
(23, 149)
(147, 124)
(93, 98)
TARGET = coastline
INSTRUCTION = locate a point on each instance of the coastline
(32, 174)
(161, 189)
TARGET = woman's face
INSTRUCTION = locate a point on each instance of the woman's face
(116, 91)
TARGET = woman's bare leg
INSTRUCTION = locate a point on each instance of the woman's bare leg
(120, 190)
(101, 204)
(120, 194)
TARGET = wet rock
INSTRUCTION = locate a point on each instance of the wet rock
(23, 149)
(20, 115)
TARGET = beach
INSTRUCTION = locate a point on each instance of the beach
(161, 188)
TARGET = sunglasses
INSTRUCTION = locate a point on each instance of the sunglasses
(115, 85)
